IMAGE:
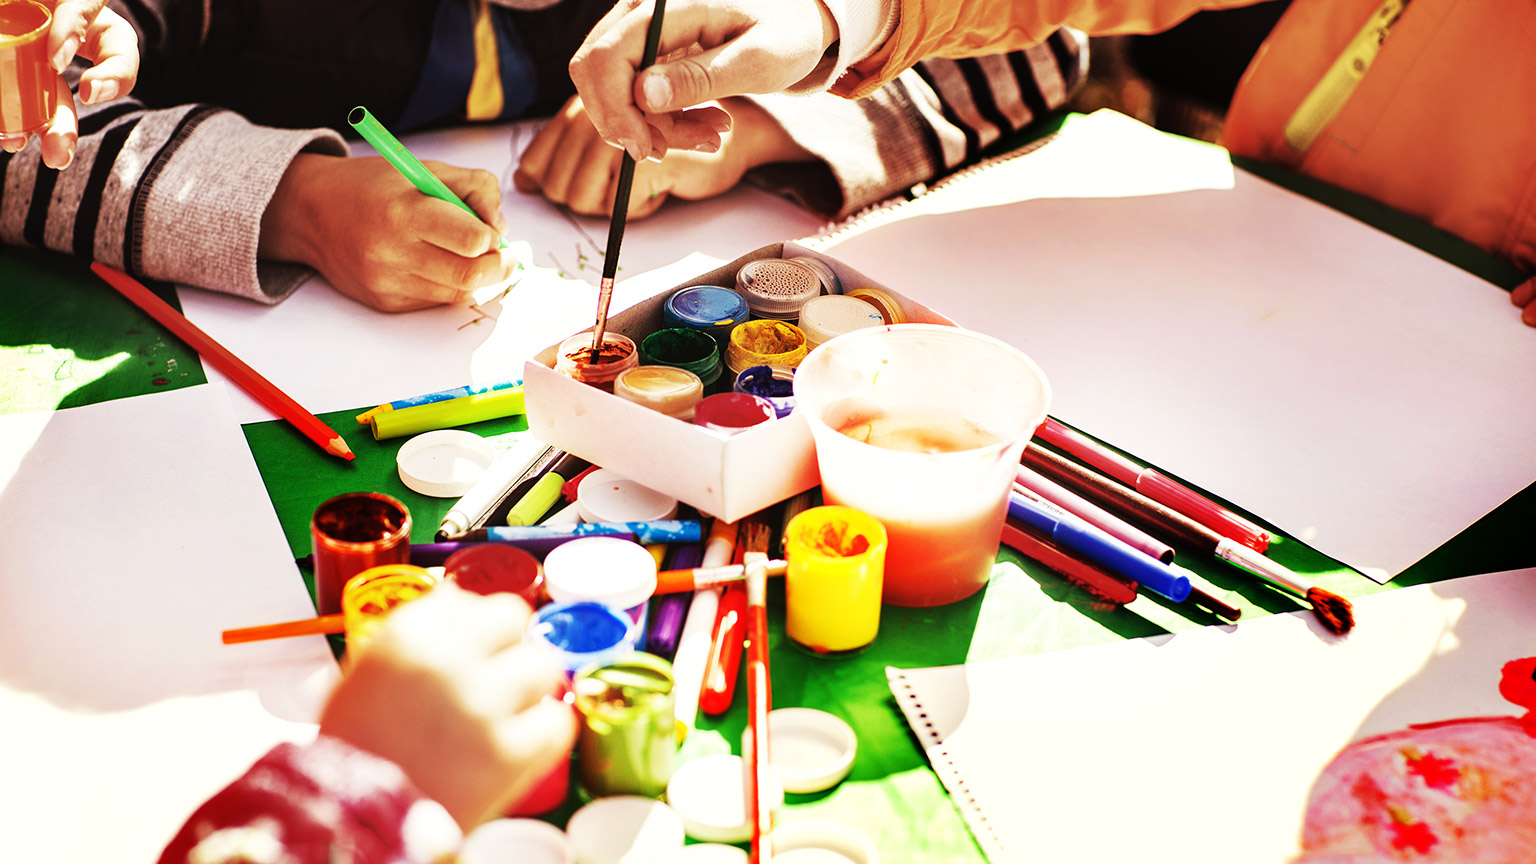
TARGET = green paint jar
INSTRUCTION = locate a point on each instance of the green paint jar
(683, 348)
(628, 735)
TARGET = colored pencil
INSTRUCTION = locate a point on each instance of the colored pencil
(621, 196)
(233, 367)
(1096, 581)
(1154, 485)
(1332, 611)
(1092, 513)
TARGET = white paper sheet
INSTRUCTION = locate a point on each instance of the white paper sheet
(1202, 747)
(1356, 392)
(331, 353)
(131, 533)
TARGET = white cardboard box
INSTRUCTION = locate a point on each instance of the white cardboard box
(726, 477)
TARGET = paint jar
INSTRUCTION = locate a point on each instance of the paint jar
(667, 389)
(351, 533)
(27, 94)
(576, 359)
(497, 568)
(823, 318)
(628, 737)
(732, 412)
(776, 288)
(369, 597)
(583, 632)
(774, 383)
(553, 788)
(921, 426)
(836, 558)
(684, 348)
(709, 308)
(618, 573)
(885, 303)
(765, 343)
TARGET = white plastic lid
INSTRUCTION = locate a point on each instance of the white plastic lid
(613, 571)
(820, 841)
(517, 841)
(811, 750)
(710, 853)
(710, 793)
(822, 318)
(625, 829)
(444, 463)
(605, 496)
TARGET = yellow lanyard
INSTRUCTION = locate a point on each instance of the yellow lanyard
(1334, 89)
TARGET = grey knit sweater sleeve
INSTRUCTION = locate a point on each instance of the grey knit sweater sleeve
(928, 122)
(175, 194)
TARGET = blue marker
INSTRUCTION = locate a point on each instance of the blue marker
(1108, 552)
(439, 396)
(659, 531)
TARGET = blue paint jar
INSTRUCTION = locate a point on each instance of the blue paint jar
(584, 632)
(772, 382)
(710, 308)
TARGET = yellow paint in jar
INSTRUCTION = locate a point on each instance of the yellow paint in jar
(369, 597)
(832, 587)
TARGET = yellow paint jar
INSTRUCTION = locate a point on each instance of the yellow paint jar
(369, 597)
(833, 582)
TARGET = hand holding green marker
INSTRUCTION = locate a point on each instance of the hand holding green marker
(405, 162)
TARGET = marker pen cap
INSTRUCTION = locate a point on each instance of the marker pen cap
(710, 308)
(606, 496)
(835, 314)
(776, 288)
(889, 308)
(625, 829)
(620, 574)
(685, 348)
(823, 271)
(369, 597)
(732, 412)
(495, 568)
(667, 389)
(764, 342)
(583, 632)
(574, 359)
(772, 382)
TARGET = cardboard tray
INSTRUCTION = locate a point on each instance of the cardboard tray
(725, 477)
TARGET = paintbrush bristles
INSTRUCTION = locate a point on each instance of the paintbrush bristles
(1333, 611)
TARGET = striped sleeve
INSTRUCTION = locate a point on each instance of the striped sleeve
(928, 122)
(175, 194)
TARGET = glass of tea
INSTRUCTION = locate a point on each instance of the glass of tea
(921, 426)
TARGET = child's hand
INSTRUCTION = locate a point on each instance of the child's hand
(1525, 296)
(569, 164)
(379, 240)
(448, 691)
(88, 29)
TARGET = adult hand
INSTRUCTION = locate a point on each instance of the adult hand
(569, 164)
(1524, 296)
(709, 49)
(379, 240)
(448, 691)
(88, 29)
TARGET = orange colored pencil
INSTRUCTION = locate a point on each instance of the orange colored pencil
(249, 379)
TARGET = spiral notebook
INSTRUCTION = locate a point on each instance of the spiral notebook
(1203, 747)
(1288, 358)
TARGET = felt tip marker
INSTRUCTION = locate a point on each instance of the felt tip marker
(1072, 534)
(659, 531)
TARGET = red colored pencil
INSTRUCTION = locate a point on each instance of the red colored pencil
(249, 379)
(1103, 585)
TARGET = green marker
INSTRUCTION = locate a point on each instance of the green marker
(405, 162)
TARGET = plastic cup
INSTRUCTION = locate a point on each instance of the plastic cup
(27, 78)
(921, 426)
(351, 533)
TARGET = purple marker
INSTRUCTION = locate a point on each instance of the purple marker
(668, 611)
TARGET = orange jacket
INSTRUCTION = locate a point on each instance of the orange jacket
(1443, 126)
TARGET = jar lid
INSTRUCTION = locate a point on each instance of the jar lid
(496, 568)
(705, 306)
(815, 841)
(822, 318)
(776, 288)
(683, 347)
(812, 750)
(667, 389)
(822, 269)
(756, 343)
(624, 829)
(711, 853)
(732, 412)
(709, 793)
(444, 463)
(890, 308)
(606, 496)
(517, 841)
(610, 570)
